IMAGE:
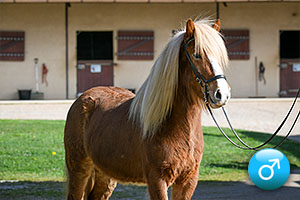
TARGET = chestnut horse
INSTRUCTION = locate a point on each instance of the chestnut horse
(155, 137)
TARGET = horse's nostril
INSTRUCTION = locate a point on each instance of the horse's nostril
(218, 95)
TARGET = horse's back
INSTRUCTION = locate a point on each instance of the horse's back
(104, 98)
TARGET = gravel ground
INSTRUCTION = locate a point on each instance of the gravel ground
(205, 190)
(262, 115)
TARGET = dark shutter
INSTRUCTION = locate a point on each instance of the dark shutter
(135, 45)
(237, 43)
(12, 46)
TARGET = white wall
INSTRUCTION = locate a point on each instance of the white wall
(264, 20)
(45, 38)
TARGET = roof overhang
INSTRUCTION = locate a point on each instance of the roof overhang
(138, 1)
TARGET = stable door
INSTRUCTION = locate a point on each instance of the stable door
(94, 59)
(289, 63)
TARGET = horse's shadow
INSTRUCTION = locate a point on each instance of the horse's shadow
(232, 165)
(285, 146)
(205, 190)
(295, 138)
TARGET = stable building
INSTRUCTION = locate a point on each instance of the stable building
(61, 48)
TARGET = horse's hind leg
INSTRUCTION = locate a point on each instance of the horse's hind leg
(103, 187)
(78, 176)
(80, 167)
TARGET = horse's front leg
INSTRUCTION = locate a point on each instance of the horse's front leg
(157, 188)
(183, 190)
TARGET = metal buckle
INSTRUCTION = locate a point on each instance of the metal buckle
(205, 94)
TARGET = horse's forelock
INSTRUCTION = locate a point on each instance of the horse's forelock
(210, 41)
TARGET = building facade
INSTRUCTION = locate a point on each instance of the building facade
(150, 25)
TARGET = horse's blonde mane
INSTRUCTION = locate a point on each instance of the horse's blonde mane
(154, 99)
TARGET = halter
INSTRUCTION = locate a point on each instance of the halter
(204, 83)
(199, 77)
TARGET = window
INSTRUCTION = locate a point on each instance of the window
(237, 43)
(12, 46)
(135, 45)
(95, 45)
(290, 44)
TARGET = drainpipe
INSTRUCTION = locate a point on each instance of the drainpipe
(218, 11)
(256, 76)
(37, 88)
(67, 5)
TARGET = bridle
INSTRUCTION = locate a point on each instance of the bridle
(199, 77)
(204, 84)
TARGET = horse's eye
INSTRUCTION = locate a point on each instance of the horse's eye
(197, 55)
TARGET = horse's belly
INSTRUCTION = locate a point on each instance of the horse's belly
(118, 155)
(121, 168)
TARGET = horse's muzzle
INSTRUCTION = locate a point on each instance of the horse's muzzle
(220, 96)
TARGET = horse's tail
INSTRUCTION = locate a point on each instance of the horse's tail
(80, 168)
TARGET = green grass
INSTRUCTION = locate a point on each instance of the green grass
(27, 146)
(224, 162)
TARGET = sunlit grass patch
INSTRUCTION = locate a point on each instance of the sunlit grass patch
(33, 150)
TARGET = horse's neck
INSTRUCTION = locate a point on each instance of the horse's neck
(187, 110)
(187, 107)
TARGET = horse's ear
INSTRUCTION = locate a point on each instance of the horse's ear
(217, 25)
(190, 28)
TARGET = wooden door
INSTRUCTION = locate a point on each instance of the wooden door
(289, 63)
(94, 73)
(94, 59)
(289, 77)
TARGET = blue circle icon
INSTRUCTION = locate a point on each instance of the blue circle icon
(269, 169)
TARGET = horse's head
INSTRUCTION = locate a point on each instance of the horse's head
(206, 56)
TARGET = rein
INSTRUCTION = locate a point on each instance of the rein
(204, 84)
(246, 146)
